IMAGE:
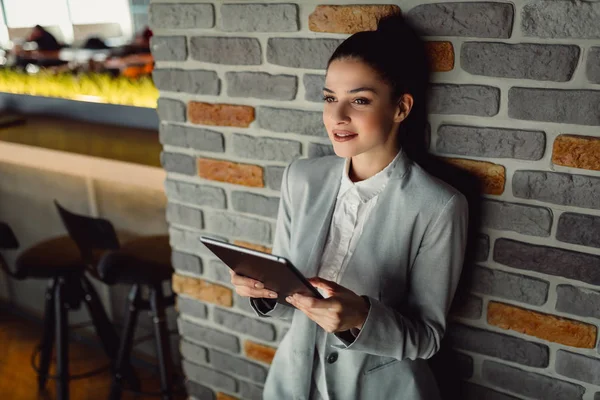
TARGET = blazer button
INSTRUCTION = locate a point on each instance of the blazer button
(332, 358)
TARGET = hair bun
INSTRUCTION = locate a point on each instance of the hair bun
(392, 23)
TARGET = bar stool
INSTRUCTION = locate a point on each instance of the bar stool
(58, 259)
(144, 263)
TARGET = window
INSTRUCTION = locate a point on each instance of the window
(28, 13)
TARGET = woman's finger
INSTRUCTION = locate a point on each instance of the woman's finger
(239, 280)
(246, 291)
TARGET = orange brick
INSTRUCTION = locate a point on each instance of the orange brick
(253, 246)
(492, 176)
(223, 396)
(348, 19)
(220, 114)
(441, 56)
(226, 171)
(577, 152)
(544, 326)
(259, 352)
(202, 290)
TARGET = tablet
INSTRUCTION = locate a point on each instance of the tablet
(275, 272)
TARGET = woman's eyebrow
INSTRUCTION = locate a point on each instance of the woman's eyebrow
(360, 89)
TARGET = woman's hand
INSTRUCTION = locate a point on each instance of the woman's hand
(249, 287)
(342, 309)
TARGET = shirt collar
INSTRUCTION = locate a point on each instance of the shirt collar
(371, 187)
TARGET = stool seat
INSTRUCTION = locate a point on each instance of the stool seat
(144, 260)
(53, 257)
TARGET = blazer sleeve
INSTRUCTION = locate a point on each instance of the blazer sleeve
(281, 247)
(434, 276)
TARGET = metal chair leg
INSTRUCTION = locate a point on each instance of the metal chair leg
(106, 331)
(62, 341)
(124, 354)
(161, 333)
(47, 342)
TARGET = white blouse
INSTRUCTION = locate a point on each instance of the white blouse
(354, 204)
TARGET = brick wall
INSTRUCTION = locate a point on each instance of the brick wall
(516, 100)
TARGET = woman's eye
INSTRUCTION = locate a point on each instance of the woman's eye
(328, 99)
(362, 101)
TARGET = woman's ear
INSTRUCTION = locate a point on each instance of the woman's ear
(405, 104)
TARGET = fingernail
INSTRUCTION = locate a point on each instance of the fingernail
(259, 285)
(289, 299)
(273, 295)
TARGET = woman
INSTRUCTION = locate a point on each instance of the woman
(383, 239)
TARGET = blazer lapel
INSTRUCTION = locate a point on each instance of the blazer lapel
(323, 213)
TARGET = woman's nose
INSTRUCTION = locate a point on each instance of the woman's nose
(339, 113)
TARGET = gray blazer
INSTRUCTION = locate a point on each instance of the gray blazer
(408, 262)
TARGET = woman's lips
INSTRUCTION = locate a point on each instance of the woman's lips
(343, 136)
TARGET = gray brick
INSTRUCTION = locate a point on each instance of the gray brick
(485, 20)
(199, 391)
(226, 50)
(577, 366)
(508, 348)
(202, 195)
(510, 286)
(593, 65)
(186, 262)
(578, 301)
(182, 215)
(184, 239)
(209, 336)
(528, 220)
(187, 81)
(273, 176)
(301, 53)
(548, 260)
(266, 148)
(313, 87)
(194, 353)
(464, 99)
(179, 163)
(472, 391)
(181, 16)
(530, 384)
(192, 307)
(528, 61)
(239, 227)
(579, 229)
(320, 150)
(196, 138)
(561, 19)
(171, 110)
(259, 18)
(482, 249)
(261, 85)
(467, 306)
(255, 204)
(558, 188)
(218, 271)
(491, 142)
(555, 105)
(287, 120)
(209, 376)
(250, 391)
(169, 48)
(238, 366)
(247, 325)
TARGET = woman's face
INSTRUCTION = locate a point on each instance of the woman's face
(360, 114)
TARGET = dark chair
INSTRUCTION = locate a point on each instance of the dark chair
(58, 259)
(142, 262)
